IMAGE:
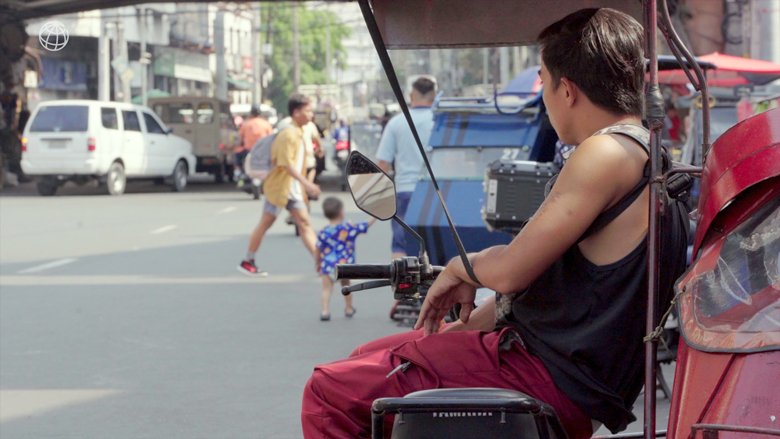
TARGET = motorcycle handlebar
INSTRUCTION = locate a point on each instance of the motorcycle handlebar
(363, 271)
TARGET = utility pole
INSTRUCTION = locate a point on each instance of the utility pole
(257, 54)
(219, 48)
(296, 49)
(328, 66)
(485, 65)
(120, 65)
(503, 60)
(125, 79)
(765, 32)
(116, 54)
(143, 60)
(104, 59)
(517, 64)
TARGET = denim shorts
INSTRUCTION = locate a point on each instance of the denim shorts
(276, 210)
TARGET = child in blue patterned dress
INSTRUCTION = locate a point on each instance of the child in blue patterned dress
(336, 243)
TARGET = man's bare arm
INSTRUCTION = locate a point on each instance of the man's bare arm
(589, 182)
(311, 188)
(599, 173)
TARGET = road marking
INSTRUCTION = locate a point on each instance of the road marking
(23, 281)
(164, 229)
(226, 210)
(53, 264)
(26, 403)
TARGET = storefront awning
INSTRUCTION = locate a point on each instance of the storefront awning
(238, 84)
(153, 93)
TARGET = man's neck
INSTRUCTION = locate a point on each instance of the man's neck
(594, 120)
(420, 103)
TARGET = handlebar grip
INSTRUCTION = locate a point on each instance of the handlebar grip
(363, 271)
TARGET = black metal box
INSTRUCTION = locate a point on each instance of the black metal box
(514, 189)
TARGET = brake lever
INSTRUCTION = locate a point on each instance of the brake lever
(364, 286)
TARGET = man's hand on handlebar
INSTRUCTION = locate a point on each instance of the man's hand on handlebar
(446, 291)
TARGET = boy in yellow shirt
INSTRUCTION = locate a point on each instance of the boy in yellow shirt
(286, 186)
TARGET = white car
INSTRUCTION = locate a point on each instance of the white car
(82, 140)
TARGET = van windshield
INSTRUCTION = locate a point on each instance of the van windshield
(60, 118)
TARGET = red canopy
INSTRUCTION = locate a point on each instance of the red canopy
(730, 71)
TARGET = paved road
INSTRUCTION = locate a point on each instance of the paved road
(125, 317)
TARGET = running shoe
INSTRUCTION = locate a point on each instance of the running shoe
(250, 269)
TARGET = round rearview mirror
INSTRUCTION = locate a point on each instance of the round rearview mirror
(372, 190)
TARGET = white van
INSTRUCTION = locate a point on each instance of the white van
(82, 140)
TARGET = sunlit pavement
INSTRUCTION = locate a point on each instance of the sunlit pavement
(125, 317)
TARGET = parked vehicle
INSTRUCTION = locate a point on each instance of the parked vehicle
(82, 140)
(468, 135)
(207, 123)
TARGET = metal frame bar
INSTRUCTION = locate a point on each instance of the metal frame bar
(636, 435)
(658, 178)
(716, 428)
(679, 50)
(655, 121)
(387, 66)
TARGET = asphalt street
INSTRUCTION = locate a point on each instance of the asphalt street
(125, 317)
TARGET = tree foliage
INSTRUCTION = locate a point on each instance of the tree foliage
(313, 26)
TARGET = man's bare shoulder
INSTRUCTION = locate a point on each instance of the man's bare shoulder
(607, 147)
(602, 167)
(606, 154)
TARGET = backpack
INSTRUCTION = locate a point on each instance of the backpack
(258, 162)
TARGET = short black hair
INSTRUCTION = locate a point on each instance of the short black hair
(424, 85)
(332, 208)
(297, 101)
(602, 51)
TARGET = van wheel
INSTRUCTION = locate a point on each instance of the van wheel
(116, 180)
(180, 176)
(47, 188)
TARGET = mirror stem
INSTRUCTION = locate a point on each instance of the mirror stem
(423, 250)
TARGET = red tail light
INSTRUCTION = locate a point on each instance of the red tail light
(24, 144)
(91, 144)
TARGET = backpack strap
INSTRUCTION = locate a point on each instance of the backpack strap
(640, 135)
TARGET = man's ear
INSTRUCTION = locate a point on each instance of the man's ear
(571, 91)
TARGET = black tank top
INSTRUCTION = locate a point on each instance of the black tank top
(586, 322)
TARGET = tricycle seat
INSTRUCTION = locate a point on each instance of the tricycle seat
(468, 413)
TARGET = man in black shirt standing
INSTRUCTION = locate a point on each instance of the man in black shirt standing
(568, 325)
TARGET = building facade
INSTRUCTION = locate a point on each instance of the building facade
(150, 50)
